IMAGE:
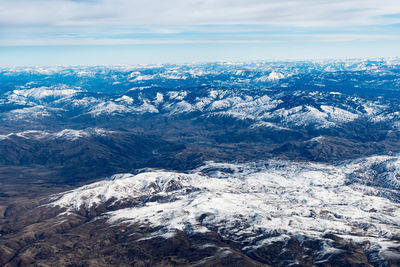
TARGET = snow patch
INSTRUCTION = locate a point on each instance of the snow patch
(42, 92)
(273, 76)
(256, 199)
(125, 99)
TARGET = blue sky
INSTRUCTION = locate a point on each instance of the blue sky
(93, 32)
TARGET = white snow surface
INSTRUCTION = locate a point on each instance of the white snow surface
(38, 93)
(251, 199)
(112, 108)
(28, 113)
(108, 108)
(273, 76)
(126, 99)
(263, 107)
(70, 134)
(66, 134)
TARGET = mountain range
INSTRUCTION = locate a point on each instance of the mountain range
(214, 164)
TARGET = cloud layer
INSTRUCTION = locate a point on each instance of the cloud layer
(197, 12)
(167, 22)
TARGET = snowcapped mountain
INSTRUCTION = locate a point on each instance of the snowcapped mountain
(255, 204)
(218, 164)
(68, 134)
(289, 94)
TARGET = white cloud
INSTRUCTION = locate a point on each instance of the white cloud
(68, 22)
(198, 12)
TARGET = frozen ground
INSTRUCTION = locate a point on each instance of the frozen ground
(257, 203)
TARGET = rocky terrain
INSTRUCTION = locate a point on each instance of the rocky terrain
(222, 164)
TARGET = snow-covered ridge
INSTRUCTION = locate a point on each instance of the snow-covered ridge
(273, 76)
(23, 95)
(256, 200)
(237, 68)
(112, 108)
(29, 113)
(67, 134)
(265, 108)
(285, 94)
